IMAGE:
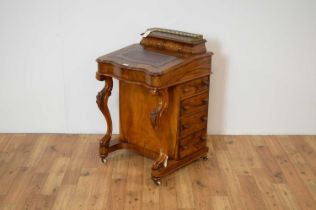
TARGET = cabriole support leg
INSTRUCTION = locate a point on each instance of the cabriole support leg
(102, 101)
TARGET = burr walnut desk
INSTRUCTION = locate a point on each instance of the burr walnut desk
(163, 98)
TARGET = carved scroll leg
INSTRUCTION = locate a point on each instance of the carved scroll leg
(102, 101)
(156, 115)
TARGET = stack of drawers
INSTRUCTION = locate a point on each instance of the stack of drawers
(193, 116)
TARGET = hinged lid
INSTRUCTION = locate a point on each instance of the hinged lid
(173, 41)
(174, 35)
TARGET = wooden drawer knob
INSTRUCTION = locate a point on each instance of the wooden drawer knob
(205, 101)
(160, 46)
(197, 145)
(203, 138)
(204, 118)
(185, 107)
(185, 126)
(186, 89)
(205, 81)
(183, 146)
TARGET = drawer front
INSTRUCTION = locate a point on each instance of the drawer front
(192, 143)
(194, 87)
(192, 123)
(194, 104)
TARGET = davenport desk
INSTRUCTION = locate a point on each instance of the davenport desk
(163, 98)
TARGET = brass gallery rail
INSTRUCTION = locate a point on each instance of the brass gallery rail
(40, 171)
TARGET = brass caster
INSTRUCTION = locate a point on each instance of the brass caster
(156, 180)
(103, 160)
(165, 162)
(205, 157)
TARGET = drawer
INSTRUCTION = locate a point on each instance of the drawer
(192, 123)
(194, 104)
(194, 87)
(192, 143)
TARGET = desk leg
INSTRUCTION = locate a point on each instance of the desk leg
(155, 116)
(102, 101)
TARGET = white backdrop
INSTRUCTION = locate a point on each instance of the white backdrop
(264, 79)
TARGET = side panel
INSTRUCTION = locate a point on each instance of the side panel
(136, 105)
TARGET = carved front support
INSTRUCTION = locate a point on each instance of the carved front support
(155, 116)
(102, 101)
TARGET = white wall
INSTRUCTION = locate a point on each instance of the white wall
(264, 64)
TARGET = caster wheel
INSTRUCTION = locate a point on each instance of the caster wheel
(165, 163)
(103, 160)
(156, 180)
(205, 157)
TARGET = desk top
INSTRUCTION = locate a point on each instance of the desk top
(137, 58)
(154, 62)
(156, 57)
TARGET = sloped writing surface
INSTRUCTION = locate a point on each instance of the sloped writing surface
(137, 57)
(154, 59)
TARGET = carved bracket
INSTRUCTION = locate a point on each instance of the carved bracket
(102, 101)
(156, 114)
(155, 117)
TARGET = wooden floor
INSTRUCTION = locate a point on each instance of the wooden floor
(243, 172)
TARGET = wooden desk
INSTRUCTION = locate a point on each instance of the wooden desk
(163, 99)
